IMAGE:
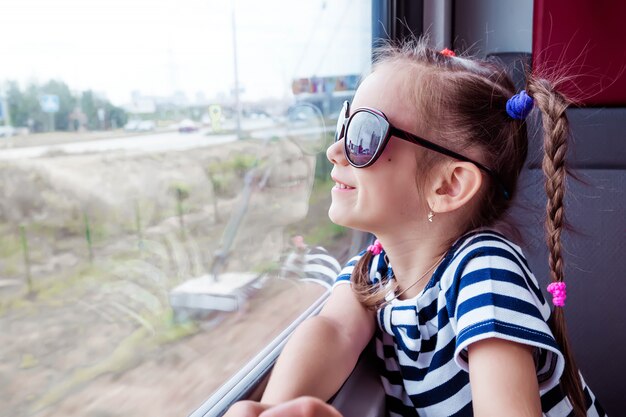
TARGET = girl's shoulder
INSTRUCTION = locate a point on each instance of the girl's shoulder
(486, 262)
(484, 251)
(485, 244)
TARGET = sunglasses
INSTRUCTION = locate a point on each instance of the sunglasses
(367, 131)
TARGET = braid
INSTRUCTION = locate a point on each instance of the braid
(556, 130)
(555, 148)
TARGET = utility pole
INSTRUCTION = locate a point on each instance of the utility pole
(237, 102)
(6, 114)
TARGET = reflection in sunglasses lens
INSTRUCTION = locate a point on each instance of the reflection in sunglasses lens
(363, 138)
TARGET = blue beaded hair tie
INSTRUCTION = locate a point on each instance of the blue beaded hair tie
(520, 105)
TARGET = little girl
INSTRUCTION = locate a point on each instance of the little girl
(427, 158)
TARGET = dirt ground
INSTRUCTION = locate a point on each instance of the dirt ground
(85, 323)
(174, 379)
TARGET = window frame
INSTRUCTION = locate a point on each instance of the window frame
(243, 383)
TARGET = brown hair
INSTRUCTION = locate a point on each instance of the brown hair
(470, 112)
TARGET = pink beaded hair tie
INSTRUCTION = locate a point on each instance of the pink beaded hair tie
(559, 293)
(376, 248)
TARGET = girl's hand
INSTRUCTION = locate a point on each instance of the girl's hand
(302, 407)
(246, 409)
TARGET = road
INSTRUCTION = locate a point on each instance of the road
(158, 142)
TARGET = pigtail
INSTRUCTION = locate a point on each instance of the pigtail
(370, 296)
(556, 130)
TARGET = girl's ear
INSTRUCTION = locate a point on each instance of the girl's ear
(455, 185)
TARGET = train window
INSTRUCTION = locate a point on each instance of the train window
(164, 188)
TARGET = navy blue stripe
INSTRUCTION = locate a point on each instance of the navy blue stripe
(428, 345)
(495, 274)
(458, 280)
(498, 300)
(500, 239)
(496, 326)
(389, 351)
(411, 331)
(426, 314)
(551, 398)
(399, 341)
(443, 318)
(439, 359)
(441, 392)
(343, 277)
(407, 307)
(394, 377)
(599, 408)
(397, 406)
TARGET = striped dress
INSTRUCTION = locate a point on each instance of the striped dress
(483, 288)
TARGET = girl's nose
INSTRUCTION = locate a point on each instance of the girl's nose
(335, 154)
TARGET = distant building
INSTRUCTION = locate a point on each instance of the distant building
(326, 93)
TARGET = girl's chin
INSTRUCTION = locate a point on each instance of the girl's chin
(342, 217)
(337, 216)
(348, 217)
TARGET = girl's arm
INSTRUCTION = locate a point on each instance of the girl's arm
(323, 350)
(503, 379)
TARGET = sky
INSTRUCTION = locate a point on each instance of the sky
(158, 47)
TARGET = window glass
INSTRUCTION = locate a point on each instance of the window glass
(164, 192)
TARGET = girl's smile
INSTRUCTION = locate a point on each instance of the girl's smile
(341, 187)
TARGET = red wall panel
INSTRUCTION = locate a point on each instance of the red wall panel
(585, 39)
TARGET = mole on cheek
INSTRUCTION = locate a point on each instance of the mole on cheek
(389, 160)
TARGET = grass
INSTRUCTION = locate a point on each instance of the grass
(9, 244)
(125, 356)
(54, 289)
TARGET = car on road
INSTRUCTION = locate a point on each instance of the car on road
(146, 126)
(187, 126)
(132, 125)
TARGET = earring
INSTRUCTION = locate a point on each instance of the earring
(430, 216)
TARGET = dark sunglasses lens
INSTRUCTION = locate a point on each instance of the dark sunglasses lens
(363, 137)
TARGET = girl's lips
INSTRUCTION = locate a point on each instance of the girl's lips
(341, 186)
(342, 190)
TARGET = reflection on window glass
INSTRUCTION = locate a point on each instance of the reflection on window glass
(164, 189)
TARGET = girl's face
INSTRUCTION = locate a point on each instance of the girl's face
(384, 196)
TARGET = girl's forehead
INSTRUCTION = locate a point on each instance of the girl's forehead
(378, 90)
(390, 90)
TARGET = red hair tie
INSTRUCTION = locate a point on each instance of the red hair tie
(447, 52)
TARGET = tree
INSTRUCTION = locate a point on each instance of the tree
(26, 110)
(67, 102)
(90, 103)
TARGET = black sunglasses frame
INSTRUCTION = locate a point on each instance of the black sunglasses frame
(390, 130)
